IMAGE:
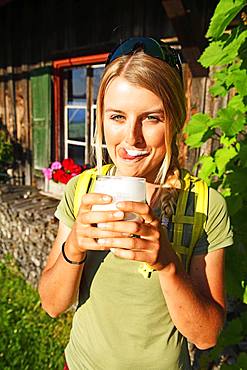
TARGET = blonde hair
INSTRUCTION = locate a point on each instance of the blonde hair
(157, 76)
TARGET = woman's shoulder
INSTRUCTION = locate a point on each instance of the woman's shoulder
(218, 228)
(65, 209)
(71, 185)
(216, 202)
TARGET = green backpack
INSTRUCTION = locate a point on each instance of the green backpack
(190, 183)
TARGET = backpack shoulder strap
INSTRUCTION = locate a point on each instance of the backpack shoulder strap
(200, 188)
(85, 183)
(200, 215)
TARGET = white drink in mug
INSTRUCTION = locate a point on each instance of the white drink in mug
(120, 188)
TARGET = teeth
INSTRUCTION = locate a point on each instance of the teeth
(135, 153)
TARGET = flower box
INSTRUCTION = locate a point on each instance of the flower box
(58, 174)
(56, 189)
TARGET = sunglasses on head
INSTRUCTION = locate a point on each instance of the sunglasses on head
(150, 47)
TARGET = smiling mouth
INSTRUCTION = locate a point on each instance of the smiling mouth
(132, 154)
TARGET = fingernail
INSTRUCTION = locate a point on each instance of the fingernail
(118, 214)
(113, 250)
(102, 241)
(119, 204)
(106, 198)
(102, 225)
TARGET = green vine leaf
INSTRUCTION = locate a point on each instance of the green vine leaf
(245, 295)
(232, 45)
(237, 181)
(223, 52)
(243, 318)
(218, 89)
(226, 168)
(220, 79)
(237, 103)
(207, 169)
(198, 126)
(226, 141)
(241, 363)
(234, 204)
(212, 54)
(224, 13)
(232, 333)
(235, 271)
(229, 120)
(239, 80)
(243, 153)
(222, 157)
(6, 150)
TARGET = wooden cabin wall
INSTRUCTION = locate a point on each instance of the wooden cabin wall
(16, 116)
(34, 33)
(199, 99)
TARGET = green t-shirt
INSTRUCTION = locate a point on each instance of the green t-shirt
(122, 321)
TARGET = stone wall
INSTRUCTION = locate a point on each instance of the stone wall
(27, 228)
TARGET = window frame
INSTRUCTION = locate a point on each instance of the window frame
(68, 141)
(59, 106)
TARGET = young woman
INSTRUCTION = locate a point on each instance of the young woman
(124, 321)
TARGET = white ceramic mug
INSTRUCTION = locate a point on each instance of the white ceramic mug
(121, 188)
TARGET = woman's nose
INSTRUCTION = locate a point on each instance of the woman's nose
(134, 134)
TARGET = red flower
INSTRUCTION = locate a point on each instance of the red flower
(65, 170)
(68, 164)
(61, 176)
(76, 169)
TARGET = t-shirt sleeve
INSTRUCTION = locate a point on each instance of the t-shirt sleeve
(65, 208)
(217, 231)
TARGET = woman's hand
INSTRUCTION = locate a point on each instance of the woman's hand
(144, 241)
(85, 232)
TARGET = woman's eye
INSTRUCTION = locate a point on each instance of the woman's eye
(117, 117)
(152, 118)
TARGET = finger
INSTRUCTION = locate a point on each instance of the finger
(91, 244)
(92, 232)
(126, 243)
(89, 199)
(142, 209)
(95, 217)
(128, 227)
(142, 256)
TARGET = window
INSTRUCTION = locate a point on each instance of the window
(97, 73)
(80, 112)
(76, 83)
(75, 113)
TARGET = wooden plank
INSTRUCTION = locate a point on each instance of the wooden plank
(10, 104)
(20, 104)
(23, 124)
(196, 98)
(191, 55)
(58, 99)
(183, 148)
(188, 24)
(174, 8)
(203, 101)
(211, 106)
(2, 98)
(89, 95)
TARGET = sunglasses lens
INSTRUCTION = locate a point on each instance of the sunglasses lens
(150, 47)
(123, 49)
